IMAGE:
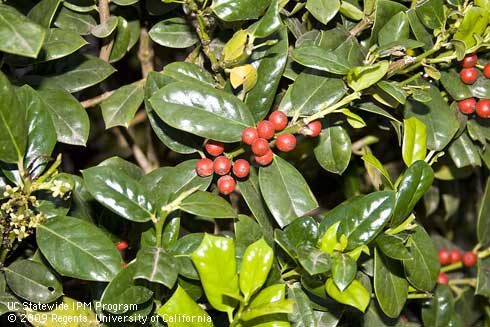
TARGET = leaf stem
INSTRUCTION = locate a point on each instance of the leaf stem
(104, 14)
(159, 228)
(413, 296)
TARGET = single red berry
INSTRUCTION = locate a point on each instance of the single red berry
(241, 168)
(469, 258)
(442, 278)
(467, 106)
(279, 120)
(265, 159)
(265, 129)
(222, 165)
(444, 257)
(226, 184)
(486, 70)
(468, 75)
(214, 148)
(286, 142)
(469, 60)
(204, 167)
(315, 127)
(260, 147)
(456, 256)
(483, 108)
(249, 135)
(121, 246)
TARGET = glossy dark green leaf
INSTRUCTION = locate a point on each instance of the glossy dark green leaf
(173, 33)
(464, 152)
(303, 314)
(483, 226)
(125, 2)
(323, 10)
(441, 308)
(311, 93)
(270, 63)
(233, 10)
(393, 91)
(119, 192)
(321, 59)
(170, 233)
(156, 265)
(344, 270)
(384, 10)
(333, 150)
(256, 265)
(483, 278)
(123, 167)
(247, 231)
(19, 35)
(81, 23)
(92, 254)
(393, 246)
(188, 72)
(106, 28)
(397, 28)
(119, 109)
(121, 40)
(390, 286)
(418, 29)
(269, 23)
(415, 182)
(270, 295)
(208, 205)
(454, 86)
(431, 13)
(422, 270)
(285, 191)
(303, 231)
(182, 250)
(43, 12)
(202, 110)
(366, 218)
(313, 260)
(33, 281)
(13, 131)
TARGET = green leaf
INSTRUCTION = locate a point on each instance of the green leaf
(285, 191)
(202, 110)
(418, 29)
(362, 77)
(354, 295)
(441, 308)
(121, 40)
(303, 231)
(422, 270)
(119, 109)
(390, 287)
(313, 260)
(43, 12)
(464, 152)
(19, 35)
(323, 10)
(333, 150)
(474, 23)
(173, 33)
(454, 86)
(396, 29)
(303, 314)
(366, 218)
(270, 63)
(268, 295)
(344, 270)
(233, 10)
(415, 182)
(106, 28)
(13, 131)
(483, 278)
(70, 120)
(393, 246)
(269, 23)
(157, 266)
(123, 167)
(119, 192)
(188, 72)
(182, 250)
(321, 59)
(33, 281)
(180, 305)
(125, 2)
(483, 225)
(215, 261)
(81, 23)
(384, 10)
(247, 231)
(208, 205)
(92, 254)
(431, 13)
(281, 306)
(370, 159)
(393, 91)
(311, 93)
(256, 264)
(414, 146)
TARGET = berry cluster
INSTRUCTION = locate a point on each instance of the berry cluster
(447, 257)
(259, 140)
(469, 75)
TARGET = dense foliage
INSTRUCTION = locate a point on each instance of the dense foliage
(246, 163)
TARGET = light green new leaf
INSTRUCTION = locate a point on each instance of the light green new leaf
(256, 264)
(362, 77)
(354, 295)
(414, 145)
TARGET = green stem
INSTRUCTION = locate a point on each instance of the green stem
(403, 226)
(50, 171)
(3, 255)
(463, 281)
(235, 153)
(159, 228)
(451, 267)
(419, 296)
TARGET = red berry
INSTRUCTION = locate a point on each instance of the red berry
(260, 147)
(286, 142)
(226, 184)
(469, 60)
(315, 127)
(467, 106)
(486, 70)
(214, 148)
(249, 135)
(121, 246)
(444, 257)
(265, 129)
(442, 278)
(468, 75)
(265, 159)
(204, 167)
(241, 168)
(279, 120)
(456, 256)
(483, 108)
(222, 165)
(469, 259)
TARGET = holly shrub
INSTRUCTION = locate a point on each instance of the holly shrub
(245, 163)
